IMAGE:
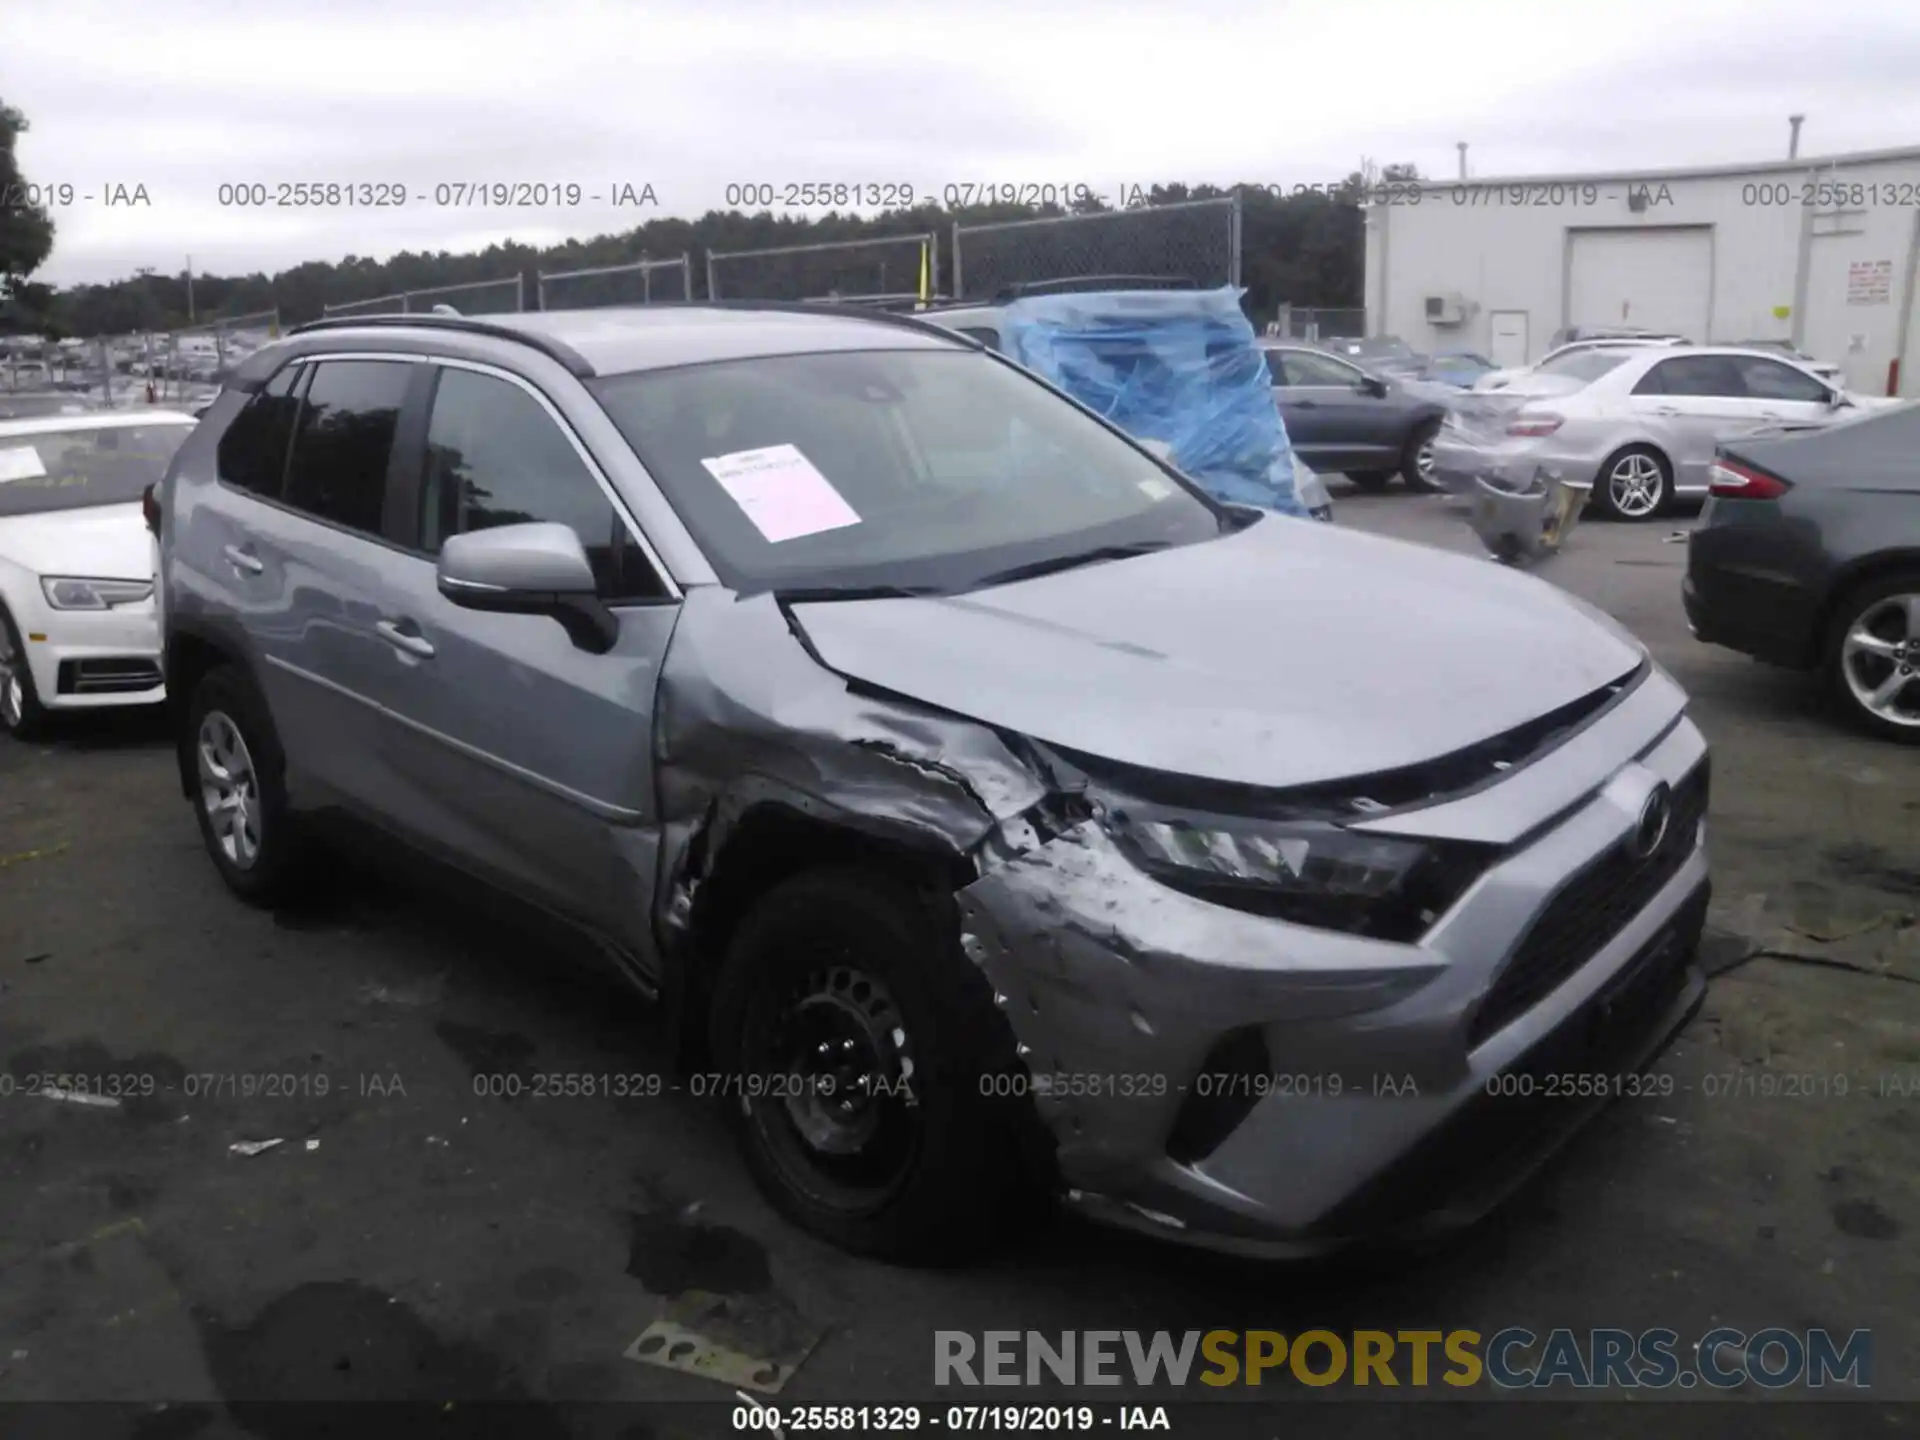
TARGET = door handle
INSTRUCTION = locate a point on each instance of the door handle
(1769, 415)
(243, 560)
(410, 641)
(1667, 410)
(1304, 404)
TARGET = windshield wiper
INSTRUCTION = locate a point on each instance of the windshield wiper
(1054, 563)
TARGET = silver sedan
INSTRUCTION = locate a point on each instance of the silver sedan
(1640, 423)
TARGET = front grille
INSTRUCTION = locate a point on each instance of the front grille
(107, 677)
(1520, 1115)
(1589, 911)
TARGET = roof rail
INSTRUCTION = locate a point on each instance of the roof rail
(554, 349)
(817, 307)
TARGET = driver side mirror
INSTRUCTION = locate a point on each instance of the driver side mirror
(1838, 400)
(1373, 386)
(1159, 449)
(533, 569)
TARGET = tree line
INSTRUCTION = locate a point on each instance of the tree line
(1306, 248)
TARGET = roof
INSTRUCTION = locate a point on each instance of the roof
(93, 420)
(1796, 166)
(616, 340)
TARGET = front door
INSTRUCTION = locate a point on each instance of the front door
(523, 755)
(1332, 420)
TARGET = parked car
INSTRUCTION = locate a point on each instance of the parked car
(1808, 556)
(1194, 389)
(1458, 368)
(1503, 379)
(1381, 353)
(917, 738)
(1641, 423)
(1342, 417)
(1576, 334)
(77, 626)
(1832, 374)
(36, 406)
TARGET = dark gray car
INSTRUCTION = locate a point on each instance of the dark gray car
(1341, 417)
(1808, 556)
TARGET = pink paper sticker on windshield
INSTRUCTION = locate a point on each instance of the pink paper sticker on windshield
(781, 492)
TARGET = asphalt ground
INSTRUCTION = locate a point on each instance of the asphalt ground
(412, 1238)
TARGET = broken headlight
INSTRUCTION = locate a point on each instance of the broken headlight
(1310, 872)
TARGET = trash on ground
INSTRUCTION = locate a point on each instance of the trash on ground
(313, 1145)
(20, 857)
(755, 1342)
(252, 1147)
(80, 1097)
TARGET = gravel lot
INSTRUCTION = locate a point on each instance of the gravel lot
(411, 1238)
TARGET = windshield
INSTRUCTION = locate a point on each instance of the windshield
(1585, 364)
(910, 468)
(70, 469)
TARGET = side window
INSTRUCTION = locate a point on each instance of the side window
(1770, 380)
(1306, 368)
(496, 457)
(1713, 376)
(344, 441)
(252, 454)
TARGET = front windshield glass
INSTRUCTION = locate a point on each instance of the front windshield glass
(910, 468)
(1585, 364)
(96, 465)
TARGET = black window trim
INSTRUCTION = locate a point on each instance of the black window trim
(416, 473)
(1680, 358)
(297, 393)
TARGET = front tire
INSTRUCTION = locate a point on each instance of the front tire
(860, 1047)
(1873, 656)
(1634, 484)
(240, 797)
(1417, 466)
(21, 713)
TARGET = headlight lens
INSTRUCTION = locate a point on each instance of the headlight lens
(1308, 872)
(68, 592)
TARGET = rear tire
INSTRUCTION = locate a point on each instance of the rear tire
(1635, 483)
(21, 713)
(240, 797)
(1372, 481)
(1416, 466)
(849, 974)
(1875, 632)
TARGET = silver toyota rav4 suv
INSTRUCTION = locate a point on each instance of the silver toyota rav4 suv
(992, 811)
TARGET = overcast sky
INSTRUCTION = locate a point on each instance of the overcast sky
(182, 96)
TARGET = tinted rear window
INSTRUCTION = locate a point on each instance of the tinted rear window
(72, 469)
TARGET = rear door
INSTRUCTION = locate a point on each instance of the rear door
(305, 565)
(1691, 402)
(1332, 421)
(1779, 393)
(516, 753)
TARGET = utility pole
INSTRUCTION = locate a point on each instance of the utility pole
(190, 289)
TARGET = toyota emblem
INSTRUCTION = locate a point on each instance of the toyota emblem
(1651, 828)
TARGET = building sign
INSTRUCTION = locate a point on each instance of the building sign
(1870, 282)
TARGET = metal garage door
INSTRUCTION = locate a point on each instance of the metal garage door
(1657, 279)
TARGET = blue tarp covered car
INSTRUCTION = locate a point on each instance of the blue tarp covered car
(1181, 367)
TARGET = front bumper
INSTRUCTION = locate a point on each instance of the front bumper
(96, 658)
(1387, 1110)
(1460, 458)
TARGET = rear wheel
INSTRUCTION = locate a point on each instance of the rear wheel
(1873, 656)
(1635, 484)
(859, 1047)
(1416, 467)
(240, 798)
(21, 713)
(1372, 481)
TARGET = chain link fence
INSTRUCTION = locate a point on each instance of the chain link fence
(475, 297)
(1197, 240)
(888, 268)
(640, 283)
(1305, 322)
(158, 367)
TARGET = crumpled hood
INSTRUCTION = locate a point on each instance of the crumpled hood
(1283, 655)
(101, 542)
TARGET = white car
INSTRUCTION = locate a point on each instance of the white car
(1502, 379)
(77, 623)
(1641, 424)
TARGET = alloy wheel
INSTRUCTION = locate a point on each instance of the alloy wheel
(1423, 461)
(1880, 660)
(13, 690)
(229, 789)
(1636, 486)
